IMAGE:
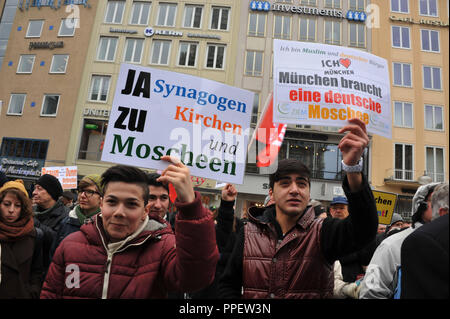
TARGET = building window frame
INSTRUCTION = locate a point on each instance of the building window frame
(357, 5)
(100, 88)
(404, 173)
(64, 22)
(432, 166)
(161, 54)
(429, 37)
(195, 22)
(119, 8)
(407, 114)
(401, 35)
(45, 105)
(188, 54)
(255, 54)
(137, 42)
(170, 13)
(282, 34)
(428, 8)
(13, 95)
(308, 29)
(334, 4)
(215, 56)
(399, 5)
(332, 40)
(107, 53)
(143, 12)
(258, 17)
(432, 78)
(402, 74)
(359, 28)
(27, 35)
(431, 124)
(220, 18)
(65, 64)
(21, 61)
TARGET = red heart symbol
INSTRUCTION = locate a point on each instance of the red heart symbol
(345, 62)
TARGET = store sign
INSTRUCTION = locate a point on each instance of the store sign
(113, 30)
(21, 167)
(67, 175)
(26, 4)
(96, 113)
(421, 21)
(204, 36)
(149, 32)
(46, 45)
(385, 203)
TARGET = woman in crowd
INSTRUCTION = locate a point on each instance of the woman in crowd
(21, 268)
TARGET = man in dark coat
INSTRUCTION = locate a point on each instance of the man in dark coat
(49, 211)
(425, 254)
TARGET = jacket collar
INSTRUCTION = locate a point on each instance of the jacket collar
(267, 216)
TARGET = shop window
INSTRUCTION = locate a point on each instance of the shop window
(92, 139)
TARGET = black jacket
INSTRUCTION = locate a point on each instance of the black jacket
(338, 237)
(425, 262)
(21, 267)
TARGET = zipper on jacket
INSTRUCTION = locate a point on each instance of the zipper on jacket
(106, 276)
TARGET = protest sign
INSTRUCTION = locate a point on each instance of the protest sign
(319, 84)
(202, 122)
(385, 203)
(67, 175)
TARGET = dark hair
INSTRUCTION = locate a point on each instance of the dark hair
(126, 174)
(26, 211)
(289, 166)
(152, 181)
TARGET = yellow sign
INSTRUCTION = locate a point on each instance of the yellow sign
(385, 206)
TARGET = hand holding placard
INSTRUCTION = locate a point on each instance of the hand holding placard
(179, 175)
(229, 193)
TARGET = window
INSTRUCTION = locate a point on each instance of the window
(400, 37)
(430, 40)
(403, 156)
(26, 63)
(307, 29)
(114, 12)
(99, 88)
(308, 2)
(107, 49)
(357, 35)
(188, 54)
(400, 6)
(161, 52)
(255, 108)
(219, 18)
(432, 78)
(253, 64)
(192, 16)
(166, 14)
(67, 27)
(50, 105)
(216, 56)
(34, 28)
(403, 114)
(357, 5)
(16, 103)
(140, 13)
(333, 4)
(24, 148)
(435, 163)
(59, 63)
(133, 50)
(282, 27)
(428, 8)
(402, 74)
(257, 24)
(434, 118)
(332, 32)
(92, 138)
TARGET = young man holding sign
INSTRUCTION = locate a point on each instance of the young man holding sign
(125, 253)
(283, 251)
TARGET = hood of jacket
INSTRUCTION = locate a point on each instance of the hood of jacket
(266, 215)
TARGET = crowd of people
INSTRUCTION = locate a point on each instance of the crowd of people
(117, 238)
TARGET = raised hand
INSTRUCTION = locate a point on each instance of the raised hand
(229, 193)
(179, 175)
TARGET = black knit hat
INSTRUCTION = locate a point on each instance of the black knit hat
(51, 184)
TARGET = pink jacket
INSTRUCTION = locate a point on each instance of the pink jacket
(147, 266)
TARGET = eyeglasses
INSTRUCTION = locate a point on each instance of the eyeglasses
(87, 192)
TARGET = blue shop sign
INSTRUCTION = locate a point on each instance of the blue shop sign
(356, 16)
(260, 6)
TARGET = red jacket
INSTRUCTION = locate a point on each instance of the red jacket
(293, 267)
(148, 266)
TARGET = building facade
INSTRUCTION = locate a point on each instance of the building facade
(413, 36)
(39, 83)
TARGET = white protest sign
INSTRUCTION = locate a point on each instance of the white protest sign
(202, 122)
(67, 175)
(319, 84)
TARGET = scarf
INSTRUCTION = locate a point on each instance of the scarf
(16, 230)
(81, 216)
